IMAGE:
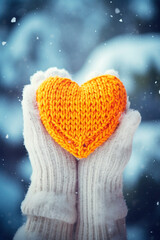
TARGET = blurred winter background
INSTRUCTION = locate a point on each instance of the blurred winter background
(83, 37)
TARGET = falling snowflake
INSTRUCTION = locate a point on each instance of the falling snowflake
(120, 20)
(117, 10)
(7, 136)
(13, 20)
(4, 43)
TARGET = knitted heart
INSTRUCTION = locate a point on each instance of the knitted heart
(81, 118)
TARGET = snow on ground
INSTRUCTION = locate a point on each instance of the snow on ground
(32, 45)
(127, 54)
(145, 153)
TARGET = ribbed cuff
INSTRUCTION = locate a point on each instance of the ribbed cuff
(50, 205)
(114, 230)
(40, 228)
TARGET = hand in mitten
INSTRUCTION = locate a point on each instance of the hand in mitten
(101, 206)
(50, 201)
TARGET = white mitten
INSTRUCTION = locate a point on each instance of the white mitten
(50, 201)
(101, 206)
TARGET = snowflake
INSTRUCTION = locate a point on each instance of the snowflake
(4, 43)
(117, 10)
(13, 20)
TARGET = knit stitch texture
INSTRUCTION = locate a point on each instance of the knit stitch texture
(81, 118)
(50, 202)
(101, 206)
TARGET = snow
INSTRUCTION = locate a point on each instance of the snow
(13, 20)
(145, 149)
(7, 136)
(4, 43)
(127, 54)
(117, 10)
(41, 40)
(28, 55)
(21, 50)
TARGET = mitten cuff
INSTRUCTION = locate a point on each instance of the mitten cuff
(111, 204)
(39, 228)
(111, 209)
(50, 205)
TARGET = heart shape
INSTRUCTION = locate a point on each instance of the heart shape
(81, 118)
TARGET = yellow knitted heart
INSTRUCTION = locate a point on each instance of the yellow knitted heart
(81, 118)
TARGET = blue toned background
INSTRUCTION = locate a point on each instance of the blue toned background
(83, 37)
